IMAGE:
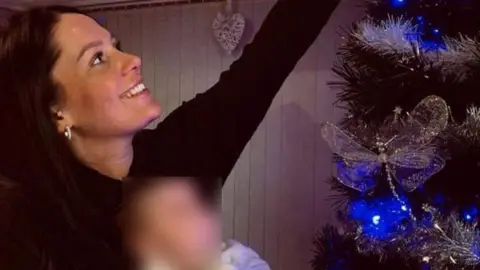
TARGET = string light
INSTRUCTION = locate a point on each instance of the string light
(430, 35)
(399, 3)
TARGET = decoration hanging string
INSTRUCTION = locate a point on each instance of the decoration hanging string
(228, 6)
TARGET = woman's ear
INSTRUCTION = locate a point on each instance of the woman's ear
(60, 118)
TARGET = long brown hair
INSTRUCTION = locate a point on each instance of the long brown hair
(34, 157)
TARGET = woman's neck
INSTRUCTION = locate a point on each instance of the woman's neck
(110, 157)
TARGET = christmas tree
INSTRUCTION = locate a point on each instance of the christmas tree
(407, 186)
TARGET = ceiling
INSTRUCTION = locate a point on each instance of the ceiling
(21, 4)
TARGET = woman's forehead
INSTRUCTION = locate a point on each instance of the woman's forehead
(74, 31)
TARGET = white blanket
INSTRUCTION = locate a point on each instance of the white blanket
(235, 256)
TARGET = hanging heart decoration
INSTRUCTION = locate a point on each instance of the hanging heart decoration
(228, 30)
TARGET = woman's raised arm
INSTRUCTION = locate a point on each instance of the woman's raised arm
(205, 136)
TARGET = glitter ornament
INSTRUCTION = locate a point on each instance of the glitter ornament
(408, 157)
(228, 29)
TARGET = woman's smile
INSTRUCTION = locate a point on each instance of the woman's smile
(136, 90)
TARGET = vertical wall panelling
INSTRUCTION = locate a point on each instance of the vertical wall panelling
(214, 55)
(200, 53)
(273, 150)
(288, 173)
(147, 30)
(228, 192)
(326, 46)
(200, 41)
(242, 170)
(323, 112)
(301, 183)
(172, 53)
(275, 198)
(297, 163)
(187, 49)
(136, 33)
(257, 159)
(124, 31)
(323, 162)
(160, 38)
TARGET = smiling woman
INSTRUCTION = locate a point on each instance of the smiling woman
(72, 110)
(100, 93)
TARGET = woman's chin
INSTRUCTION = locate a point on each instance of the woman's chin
(144, 116)
(155, 110)
(152, 110)
(153, 115)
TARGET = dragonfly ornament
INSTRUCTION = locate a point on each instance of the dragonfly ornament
(409, 157)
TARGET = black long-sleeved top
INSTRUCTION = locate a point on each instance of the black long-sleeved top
(203, 137)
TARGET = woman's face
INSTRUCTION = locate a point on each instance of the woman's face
(101, 93)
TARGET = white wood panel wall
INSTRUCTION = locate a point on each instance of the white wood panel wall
(275, 198)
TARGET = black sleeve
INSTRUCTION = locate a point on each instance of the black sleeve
(205, 136)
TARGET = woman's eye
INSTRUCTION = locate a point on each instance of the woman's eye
(98, 58)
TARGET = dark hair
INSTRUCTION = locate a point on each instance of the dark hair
(34, 155)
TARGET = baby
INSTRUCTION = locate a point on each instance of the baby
(170, 224)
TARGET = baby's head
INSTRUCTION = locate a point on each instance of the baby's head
(167, 219)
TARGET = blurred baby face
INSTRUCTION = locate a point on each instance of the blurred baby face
(174, 223)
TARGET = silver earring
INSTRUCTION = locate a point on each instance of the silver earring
(67, 132)
(59, 115)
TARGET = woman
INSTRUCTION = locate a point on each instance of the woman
(72, 108)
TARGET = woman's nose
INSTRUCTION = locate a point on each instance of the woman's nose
(132, 63)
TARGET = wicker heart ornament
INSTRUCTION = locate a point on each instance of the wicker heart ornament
(228, 30)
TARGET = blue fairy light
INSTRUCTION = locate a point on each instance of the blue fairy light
(376, 219)
(438, 200)
(470, 214)
(426, 220)
(426, 266)
(380, 218)
(398, 3)
(433, 45)
(429, 38)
